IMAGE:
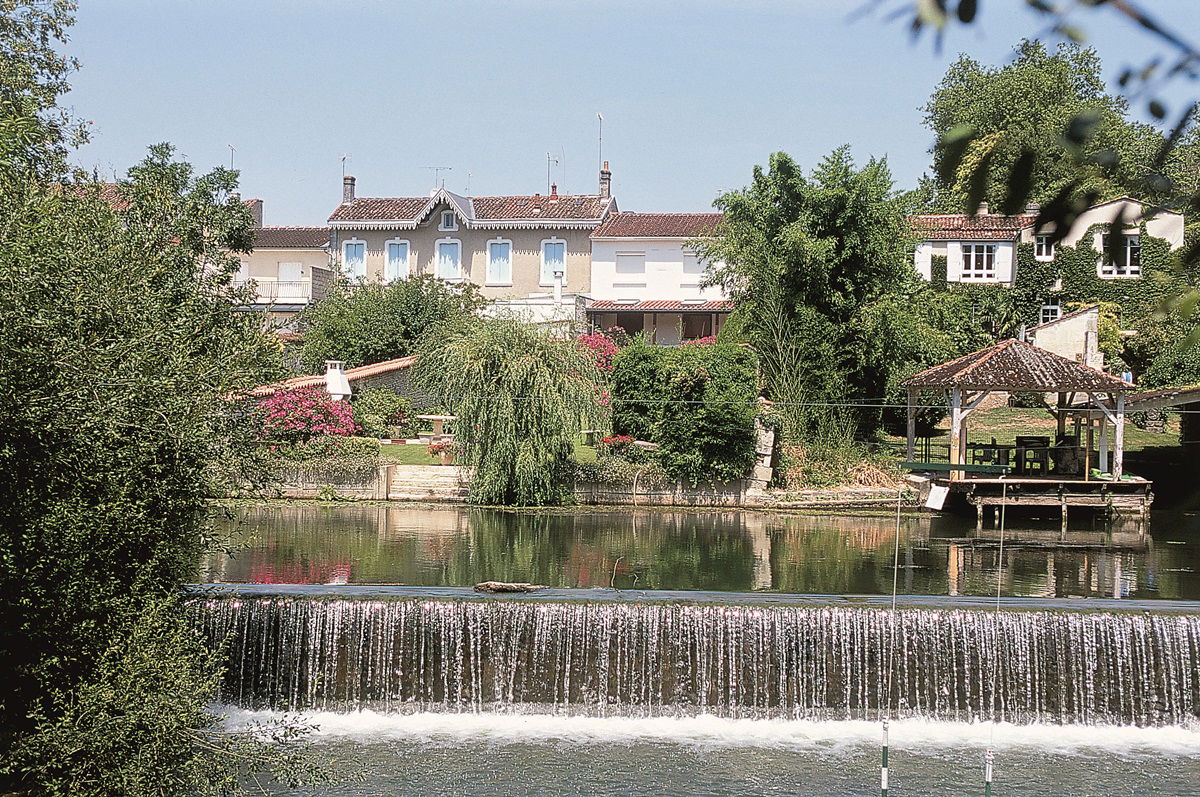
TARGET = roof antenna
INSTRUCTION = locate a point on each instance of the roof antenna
(600, 153)
(232, 150)
(437, 172)
(468, 191)
(344, 158)
(549, 160)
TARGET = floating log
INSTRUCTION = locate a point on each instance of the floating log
(505, 586)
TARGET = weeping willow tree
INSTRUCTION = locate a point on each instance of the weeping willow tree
(521, 397)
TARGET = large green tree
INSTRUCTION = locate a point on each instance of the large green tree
(1028, 105)
(801, 255)
(119, 345)
(367, 322)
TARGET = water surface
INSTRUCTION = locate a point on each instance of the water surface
(705, 550)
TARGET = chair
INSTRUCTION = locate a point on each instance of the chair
(1033, 455)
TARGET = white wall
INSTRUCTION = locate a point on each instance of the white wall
(663, 275)
(1166, 225)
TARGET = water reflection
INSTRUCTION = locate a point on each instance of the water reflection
(705, 550)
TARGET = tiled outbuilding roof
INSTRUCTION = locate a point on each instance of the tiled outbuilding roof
(1087, 308)
(657, 225)
(1014, 365)
(660, 306)
(961, 227)
(291, 237)
(352, 375)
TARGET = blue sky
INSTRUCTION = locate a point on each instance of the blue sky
(693, 93)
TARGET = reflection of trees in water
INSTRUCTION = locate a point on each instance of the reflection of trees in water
(719, 550)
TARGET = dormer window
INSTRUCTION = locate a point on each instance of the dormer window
(1043, 249)
(1128, 260)
(448, 221)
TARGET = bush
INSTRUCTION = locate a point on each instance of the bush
(621, 446)
(332, 459)
(378, 411)
(705, 401)
(601, 346)
(305, 413)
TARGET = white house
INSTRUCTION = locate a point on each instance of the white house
(982, 248)
(646, 279)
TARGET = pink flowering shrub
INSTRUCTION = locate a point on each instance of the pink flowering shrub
(305, 413)
(601, 346)
(707, 340)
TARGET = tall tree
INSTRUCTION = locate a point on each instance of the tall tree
(119, 343)
(1027, 106)
(801, 255)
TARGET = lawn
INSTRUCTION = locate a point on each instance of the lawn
(411, 454)
(1005, 423)
(406, 454)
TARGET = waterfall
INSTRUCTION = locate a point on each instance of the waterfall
(672, 659)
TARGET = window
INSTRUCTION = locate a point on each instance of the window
(449, 259)
(1042, 248)
(354, 258)
(499, 262)
(692, 264)
(448, 221)
(1050, 311)
(631, 262)
(1128, 262)
(554, 258)
(396, 267)
(979, 261)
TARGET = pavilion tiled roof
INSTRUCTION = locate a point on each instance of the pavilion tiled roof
(291, 237)
(380, 209)
(1015, 365)
(352, 375)
(961, 227)
(660, 306)
(657, 225)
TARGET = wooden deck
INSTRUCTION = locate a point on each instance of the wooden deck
(1128, 496)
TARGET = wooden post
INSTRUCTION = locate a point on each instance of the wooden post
(1104, 463)
(1060, 412)
(912, 423)
(1087, 451)
(956, 457)
(1118, 465)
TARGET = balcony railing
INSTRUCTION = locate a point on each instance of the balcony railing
(278, 291)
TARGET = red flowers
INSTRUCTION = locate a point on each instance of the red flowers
(305, 413)
(707, 340)
(602, 348)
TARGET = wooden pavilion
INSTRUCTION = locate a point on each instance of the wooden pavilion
(1075, 469)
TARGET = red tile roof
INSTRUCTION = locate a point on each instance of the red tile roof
(291, 237)
(660, 306)
(1014, 365)
(381, 209)
(657, 225)
(352, 375)
(483, 208)
(960, 227)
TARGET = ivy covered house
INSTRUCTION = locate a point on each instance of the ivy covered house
(1046, 277)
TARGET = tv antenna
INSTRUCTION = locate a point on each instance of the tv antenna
(550, 159)
(232, 150)
(345, 158)
(468, 191)
(600, 143)
(437, 174)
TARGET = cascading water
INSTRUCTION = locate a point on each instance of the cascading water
(657, 658)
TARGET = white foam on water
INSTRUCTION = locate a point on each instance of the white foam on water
(707, 730)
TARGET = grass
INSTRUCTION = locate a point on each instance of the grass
(410, 454)
(1005, 423)
(406, 454)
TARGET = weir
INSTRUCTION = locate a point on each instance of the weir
(667, 658)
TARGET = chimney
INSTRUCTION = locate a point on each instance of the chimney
(1032, 209)
(255, 207)
(335, 378)
(537, 203)
(553, 192)
(605, 181)
(983, 208)
(348, 188)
